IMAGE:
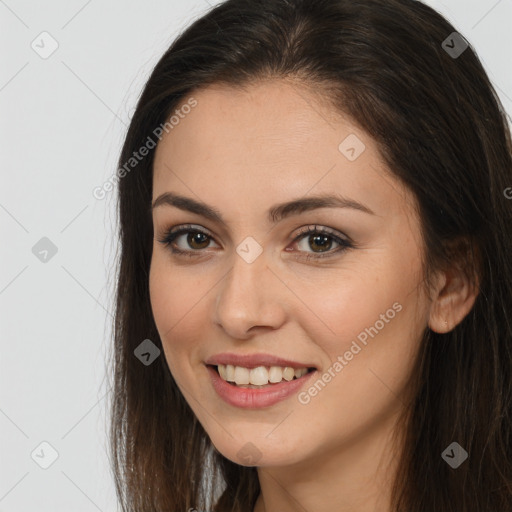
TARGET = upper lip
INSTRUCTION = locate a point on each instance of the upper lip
(254, 360)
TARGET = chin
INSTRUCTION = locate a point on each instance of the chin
(259, 450)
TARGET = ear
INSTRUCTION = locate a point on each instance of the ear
(455, 291)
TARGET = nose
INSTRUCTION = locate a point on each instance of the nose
(249, 298)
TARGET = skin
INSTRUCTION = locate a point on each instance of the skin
(243, 151)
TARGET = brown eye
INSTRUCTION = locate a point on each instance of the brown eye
(196, 237)
(320, 240)
(195, 241)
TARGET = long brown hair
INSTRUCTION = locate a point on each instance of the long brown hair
(442, 131)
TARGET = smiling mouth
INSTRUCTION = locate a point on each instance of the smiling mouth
(260, 377)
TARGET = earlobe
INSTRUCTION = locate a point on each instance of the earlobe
(455, 296)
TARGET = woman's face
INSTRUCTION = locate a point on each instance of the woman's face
(346, 299)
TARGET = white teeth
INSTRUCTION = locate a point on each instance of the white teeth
(260, 376)
(230, 372)
(288, 373)
(300, 372)
(275, 374)
(241, 375)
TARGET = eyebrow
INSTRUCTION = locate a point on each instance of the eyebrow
(275, 214)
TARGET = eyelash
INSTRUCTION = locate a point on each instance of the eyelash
(171, 234)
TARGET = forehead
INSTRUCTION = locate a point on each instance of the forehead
(271, 139)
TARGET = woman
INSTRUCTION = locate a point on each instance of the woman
(314, 286)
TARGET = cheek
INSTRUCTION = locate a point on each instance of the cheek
(378, 323)
(367, 361)
(372, 314)
(336, 307)
(177, 307)
(174, 290)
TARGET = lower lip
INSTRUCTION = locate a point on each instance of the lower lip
(249, 398)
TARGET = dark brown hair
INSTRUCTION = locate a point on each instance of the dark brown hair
(442, 131)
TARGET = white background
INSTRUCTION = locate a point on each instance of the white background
(62, 123)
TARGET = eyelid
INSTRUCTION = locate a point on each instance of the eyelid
(180, 228)
(313, 228)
